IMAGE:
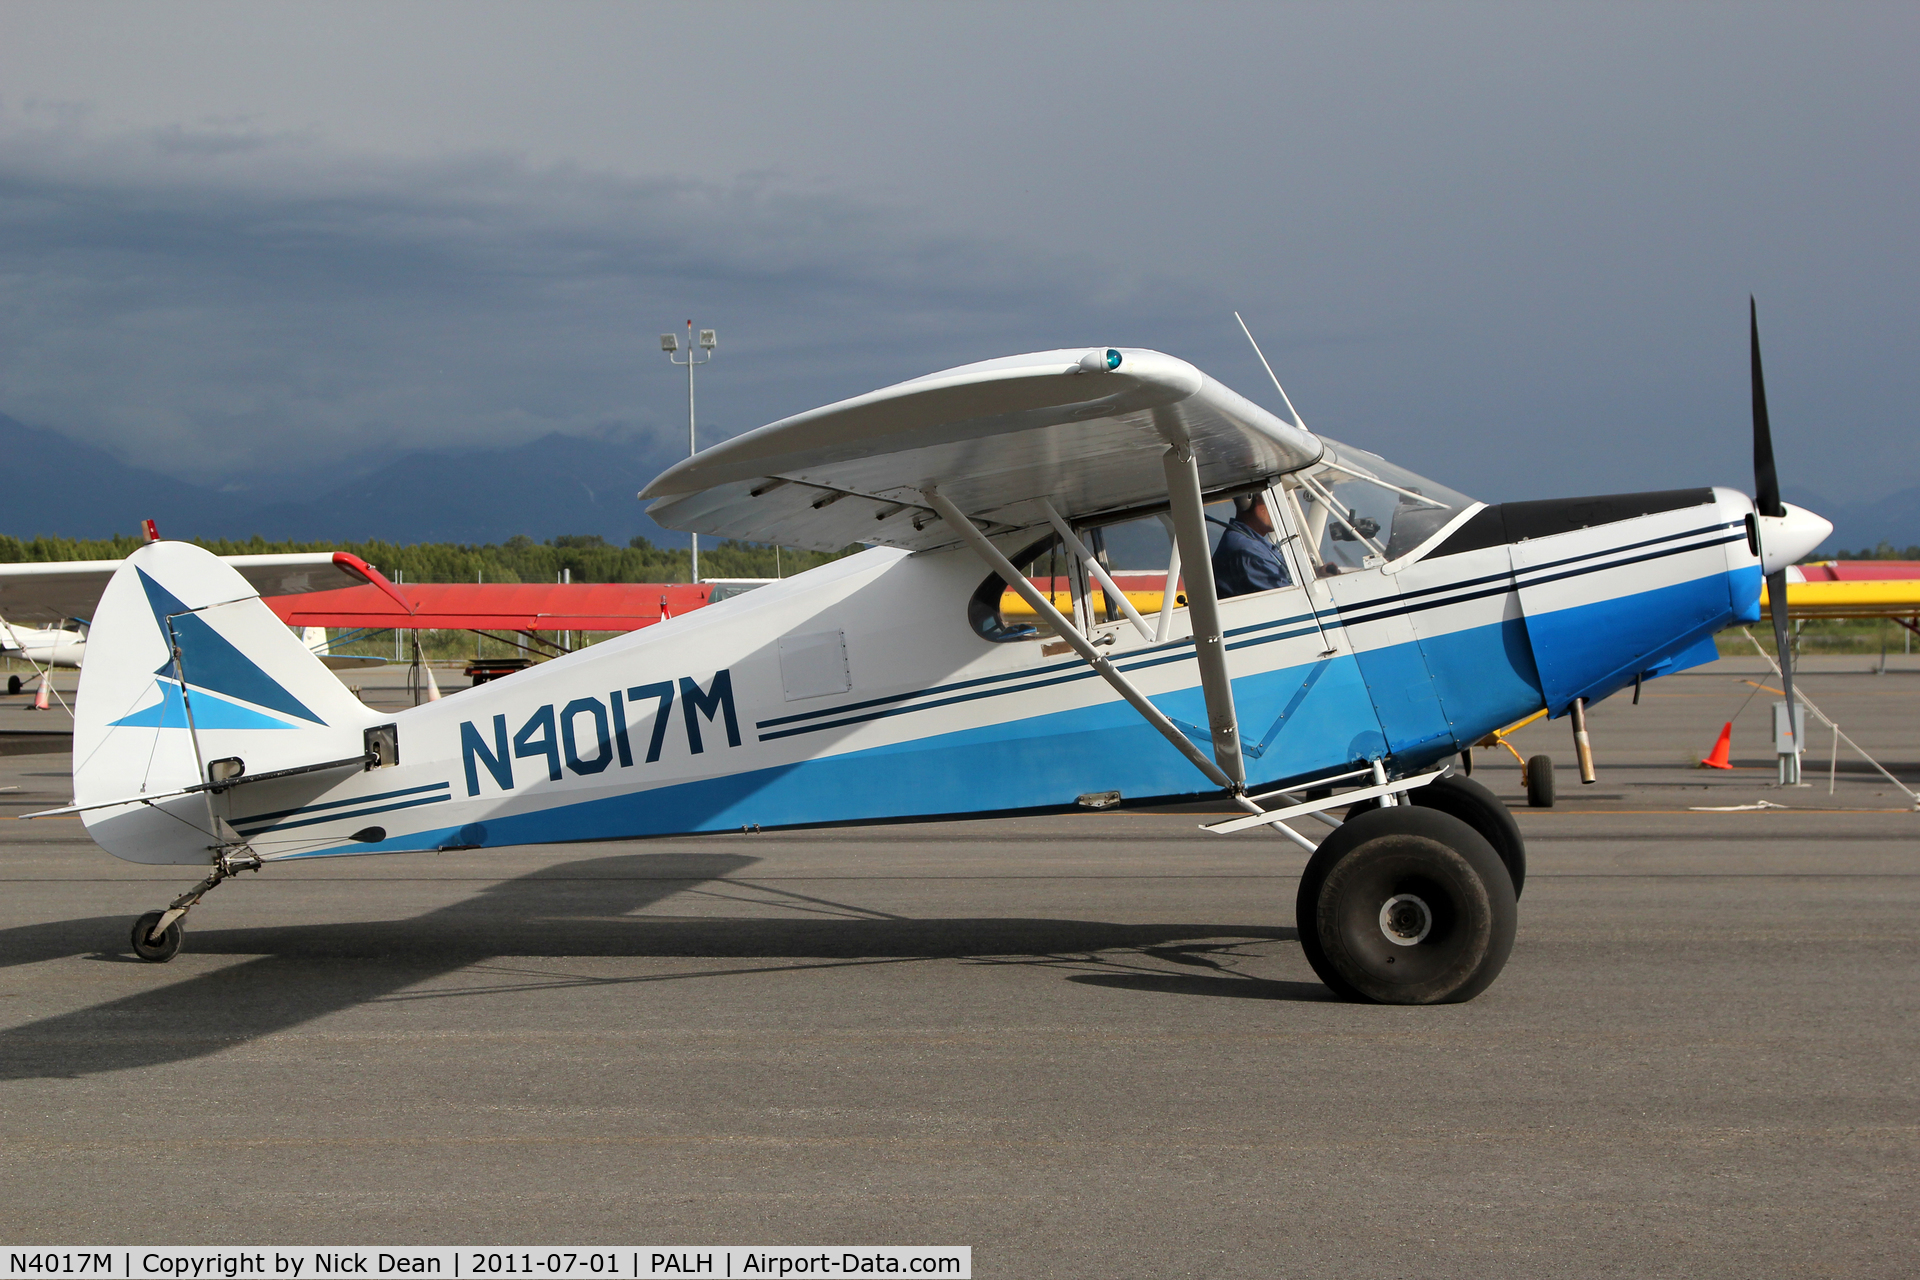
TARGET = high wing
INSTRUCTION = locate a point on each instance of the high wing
(1082, 429)
(56, 590)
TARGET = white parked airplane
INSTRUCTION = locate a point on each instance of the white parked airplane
(898, 684)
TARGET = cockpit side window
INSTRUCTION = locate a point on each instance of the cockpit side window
(997, 613)
(1135, 553)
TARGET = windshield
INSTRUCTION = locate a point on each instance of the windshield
(1361, 510)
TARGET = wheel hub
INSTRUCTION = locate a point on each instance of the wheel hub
(1406, 919)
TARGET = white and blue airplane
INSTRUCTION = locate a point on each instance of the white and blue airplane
(905, 682)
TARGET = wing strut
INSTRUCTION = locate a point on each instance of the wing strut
(1038, 602)
(1189, 521)
(1107, 584)
(1203, 606)
(1168, 594)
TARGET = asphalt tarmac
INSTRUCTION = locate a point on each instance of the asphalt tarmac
(1086, 1044)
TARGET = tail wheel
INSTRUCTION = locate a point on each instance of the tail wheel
(146, 948)
(1406, 905)
(1540, 782)
(1482, 810)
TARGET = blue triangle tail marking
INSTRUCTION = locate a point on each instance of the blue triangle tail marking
(210, 711)
(213, 663)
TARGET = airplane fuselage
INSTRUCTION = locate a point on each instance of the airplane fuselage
(859, 691)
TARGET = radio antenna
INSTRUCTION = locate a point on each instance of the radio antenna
(1291, 411)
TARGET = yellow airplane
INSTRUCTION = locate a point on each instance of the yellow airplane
(1855, 589)
(1824, 589)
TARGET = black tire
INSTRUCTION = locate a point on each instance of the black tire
(1540, 782)
(1406, 905)
(155, 952)
(1482, 810)
(13, 684)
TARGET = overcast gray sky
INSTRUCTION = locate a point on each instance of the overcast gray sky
(1507, 245)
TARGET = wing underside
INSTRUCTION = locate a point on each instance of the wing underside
(1083, 430)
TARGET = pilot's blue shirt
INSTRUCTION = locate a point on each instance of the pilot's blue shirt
(1245, 561)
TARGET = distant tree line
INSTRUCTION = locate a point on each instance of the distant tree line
(589, 557)
(1885, 551)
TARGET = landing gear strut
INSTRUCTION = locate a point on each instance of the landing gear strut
(156, 935)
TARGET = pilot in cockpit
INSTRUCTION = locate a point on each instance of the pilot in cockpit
(1246, 559)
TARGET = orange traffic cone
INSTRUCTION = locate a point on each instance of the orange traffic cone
(46, 687)
(665, 613)
(433, 686)
(1717, 758)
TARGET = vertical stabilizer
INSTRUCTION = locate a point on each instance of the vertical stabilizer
(186, 666)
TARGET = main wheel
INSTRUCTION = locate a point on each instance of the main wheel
(155, 952)
(1482, 810)
(13, 684)
(1540, 782)
(1406, 905)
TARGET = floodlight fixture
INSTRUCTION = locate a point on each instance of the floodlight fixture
(670, 344)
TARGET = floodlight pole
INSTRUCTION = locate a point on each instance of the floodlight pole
(670, 343)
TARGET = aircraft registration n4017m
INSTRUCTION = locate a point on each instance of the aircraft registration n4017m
(977, 658)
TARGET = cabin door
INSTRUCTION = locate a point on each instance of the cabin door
(1362, 604)
(1304, 706)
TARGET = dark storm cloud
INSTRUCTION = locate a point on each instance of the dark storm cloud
(1507, 245)
(223, 304)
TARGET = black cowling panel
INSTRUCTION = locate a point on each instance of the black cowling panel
(1519, 521)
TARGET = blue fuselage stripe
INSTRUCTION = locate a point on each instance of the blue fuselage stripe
(343, 816)
(341, 804)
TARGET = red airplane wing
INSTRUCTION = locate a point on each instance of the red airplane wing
(492, 606)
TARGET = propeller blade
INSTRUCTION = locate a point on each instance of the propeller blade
(1766, 501)
(1776, 605)
(1766, 480)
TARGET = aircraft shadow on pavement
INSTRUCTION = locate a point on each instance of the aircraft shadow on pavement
(299, 972)
(1240, 986)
